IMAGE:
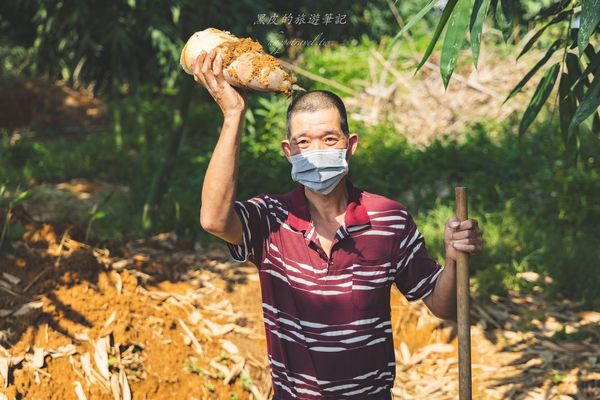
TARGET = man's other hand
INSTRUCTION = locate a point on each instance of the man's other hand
(464, 236)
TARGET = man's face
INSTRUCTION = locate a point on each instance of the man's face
(317, 130)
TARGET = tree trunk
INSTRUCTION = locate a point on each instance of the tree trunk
(167, 161)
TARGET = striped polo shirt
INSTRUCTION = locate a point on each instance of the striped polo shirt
(327, 319)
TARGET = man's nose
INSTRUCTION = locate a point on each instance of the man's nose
(318, 145)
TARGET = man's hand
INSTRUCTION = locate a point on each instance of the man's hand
(464, 236)
(208, 71)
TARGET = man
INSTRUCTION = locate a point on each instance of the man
(327, 252)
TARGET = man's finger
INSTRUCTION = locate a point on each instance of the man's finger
(218, 68)
(209, 75)
(469, 233)
(197, 68)
(453, 222)
(467, 224)
(468, 248)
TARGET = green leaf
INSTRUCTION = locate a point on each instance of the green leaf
(18, 199)
(572, 64)
(567, 104)
(438, 31)
(454, 39)
(504, 23)
(539, 97)
(583, 78)
(560, 17)
(477, 17)
(557, 44)
(552, 9)
(99, 215)
(416, 18)
(590, 15)
(589, 104)
(507, 10)
(15, 231)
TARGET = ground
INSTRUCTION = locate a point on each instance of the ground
(167, 318)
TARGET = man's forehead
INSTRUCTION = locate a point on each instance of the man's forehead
(305, 122)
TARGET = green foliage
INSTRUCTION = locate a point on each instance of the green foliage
(454, 39)
(10, 230)
(509, 14)
(542, 92)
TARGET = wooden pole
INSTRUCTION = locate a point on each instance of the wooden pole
(462, 303)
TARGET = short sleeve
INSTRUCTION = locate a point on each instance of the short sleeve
(254, 218)
(416, 271)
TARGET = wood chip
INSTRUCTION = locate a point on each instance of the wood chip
(79, 391)
(191, 336)
(219, 367)
(11, 278)
(405, 353)
(218, 329)
(118, 282)
(4, 364)
(229, 347)
(28, 307)
(101, 357)
(114, 387)
(86, 365)
(235, 370)
(63, 351)
(110, 320)
(125, 389)
(38, 357)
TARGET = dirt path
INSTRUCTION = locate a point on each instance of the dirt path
(165, 318)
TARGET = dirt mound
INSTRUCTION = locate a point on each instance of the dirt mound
(39, 103)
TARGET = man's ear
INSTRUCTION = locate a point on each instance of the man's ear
(352, 144)
(287, 151)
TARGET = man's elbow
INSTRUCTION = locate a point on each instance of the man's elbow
(211, 225)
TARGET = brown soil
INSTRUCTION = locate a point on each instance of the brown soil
(234, 48)
(36, 103)
(261, 60)
(63, 296)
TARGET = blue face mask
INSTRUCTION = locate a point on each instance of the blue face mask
(319, 170)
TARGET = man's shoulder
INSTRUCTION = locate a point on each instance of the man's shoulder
(271, 200)
(375, 203)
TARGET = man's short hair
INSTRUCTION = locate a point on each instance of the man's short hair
(315, 100)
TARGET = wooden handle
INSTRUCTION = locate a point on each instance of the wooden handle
(462, 303)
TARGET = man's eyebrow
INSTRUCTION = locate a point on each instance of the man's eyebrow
(327, 132)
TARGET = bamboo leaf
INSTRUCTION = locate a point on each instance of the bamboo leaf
(503, 22)
(560, 17)
(582, 80)
(590, 15)
(557, 44)
(572, 64)
(539, 97)
(589, 104)
(416, 18)
(477, 17)
(507, 10)
(454, 39)
(567, 104)
(553, 9)
(438, 31)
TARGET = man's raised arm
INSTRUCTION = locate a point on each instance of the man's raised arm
(217, 215)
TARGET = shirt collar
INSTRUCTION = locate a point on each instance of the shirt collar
(299, 216)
